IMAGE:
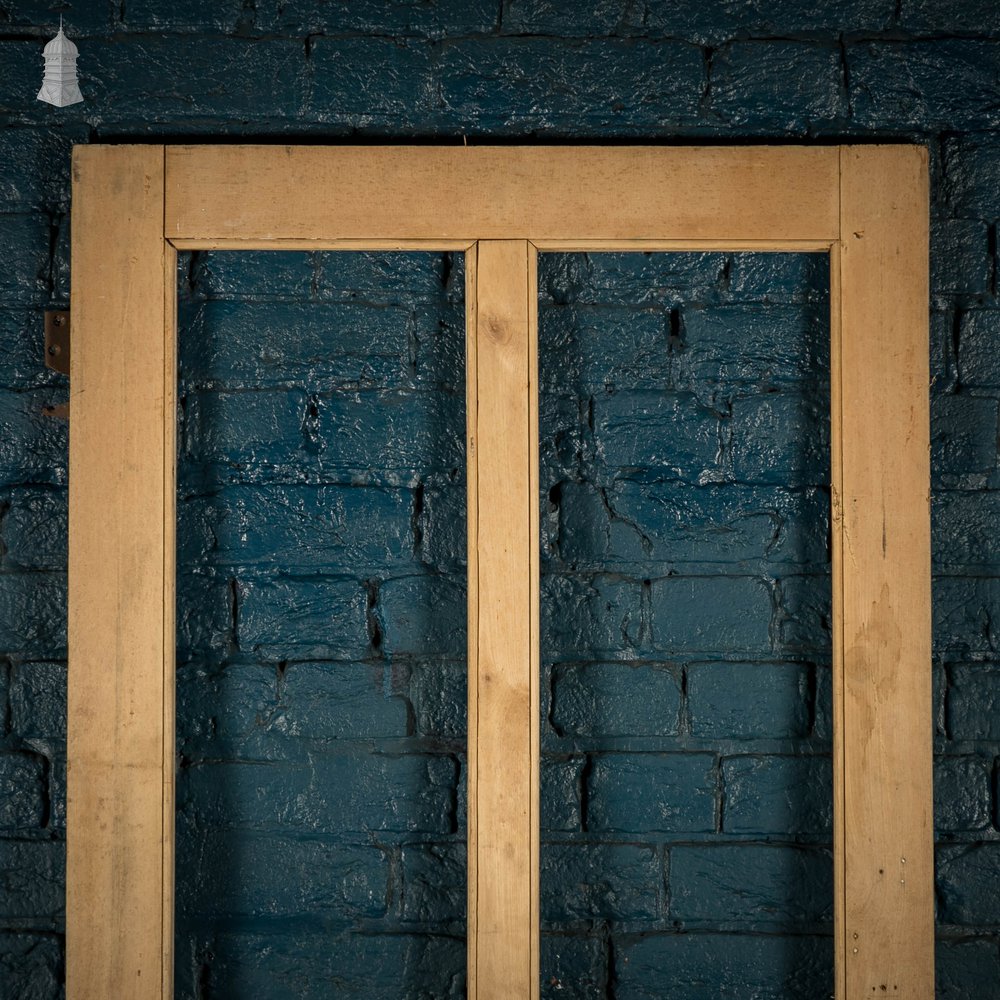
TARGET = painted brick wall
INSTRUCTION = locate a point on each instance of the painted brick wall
(334, 741)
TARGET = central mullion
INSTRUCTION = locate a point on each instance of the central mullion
(503, 621)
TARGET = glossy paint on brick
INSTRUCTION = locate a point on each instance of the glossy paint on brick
(309, 671)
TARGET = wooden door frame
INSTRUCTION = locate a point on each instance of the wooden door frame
(135, 206)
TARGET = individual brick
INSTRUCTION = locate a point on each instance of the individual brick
(965, 967)
(22, 334)
(803, 615)
(33, 879)
(960, 257)
(250, 963)
(300, 528)
(963, 530)
(752, 884)
(962, 794)
(584, 882)
(33, 614)
(979, 349)
(672, 434)
(561, 786)
(966, 878)
(963, 440)
(22, 791)
(319, 617)
(33, 447)
(35, 164)
(615, 699)
(434, 883)
(371, 81)
(236, 703)
(974, 701)
(316, 344)
(596, 83)
(572, 967)
(260, 276)
(423, 615)
(439, 698)
(206, 615)
(971, 183)
(277, 876)
(335, 793)
(652, 793)
(718, 614)
(706, 966)
(442, 524)
(775, 795)
(780, 279)
(781, 438)
(33, 529)
(783, 85)
(401, 19)
(947, 84)
(546, 17)
(31, 966)
(590, 617)
(19, 62)
(965, 612)
(971, 17)
(746, 701)
(170, 16)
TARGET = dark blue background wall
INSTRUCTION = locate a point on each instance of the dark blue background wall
(332, 739)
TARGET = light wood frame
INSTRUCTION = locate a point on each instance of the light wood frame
(135, 206)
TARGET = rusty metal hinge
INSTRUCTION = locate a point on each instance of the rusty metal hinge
(57, 353)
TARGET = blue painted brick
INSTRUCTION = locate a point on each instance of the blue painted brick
(269, 875)
(979, 349)
(960, 257)
(748, 700)
(754, 885)
(723, 614)
(803, 616)
(974, 701)
(30, 966)
(590, 617)
(143, 80)
(971, 183)
(966, 885)
(168, 16)
(434, 883)
(285, 343)
(931, 84)
(965, 614)
(443, 524)
(290, 276)
(389, 277)
(34, 167)
(323, 529)
(33, 614)
(966, 968)
(236, 703)
(776, 344)
(336, 793)
(33, 529)
(438, 696)
(522, 82)
(615, 699)
(22, 337)
(22, 791)
(778, 795)
(375, 966)
(563, 444)
(423, 615)
(81, 17)
(629, 279)
(33, 447)
(783, 85)
(779, 279)
(561, 786)
(33, 879)
(709, 966)
(781, 438)
(963, 440)
(205, 608)
(585, 882)
(321, 617)
(962, 793)
(670, 523)
(57, 791)
(371, 81)
(964, 530)
(674, 435)
(24, 248)
(971, 17)
(652, 793)
(572, 967)
(402, 18)
(21, 70)
(545, 17)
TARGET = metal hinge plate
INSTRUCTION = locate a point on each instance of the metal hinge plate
(57, 340)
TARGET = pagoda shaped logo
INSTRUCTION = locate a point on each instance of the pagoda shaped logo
(59, 85)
